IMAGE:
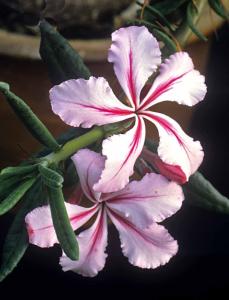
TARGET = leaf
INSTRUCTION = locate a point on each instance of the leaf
(6, 185)
(218, 7)
(29, 119)
(157, 15)
(64, 231)
(63, 228)
(16, 241)
(167, 7)
(50, 177)
(202, 193)
(62, 60)
(190, 13)
(16, 171)
(15, 196)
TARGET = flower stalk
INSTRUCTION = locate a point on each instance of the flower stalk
(74, 145)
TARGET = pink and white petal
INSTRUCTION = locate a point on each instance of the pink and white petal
(92, 244)
(175, 147)
(119, 167)
(40, 226)
(177, 81)
(152, 199)
(86, 103)
(89, 166)
(171, 172)
(145, 248)
(136, 55)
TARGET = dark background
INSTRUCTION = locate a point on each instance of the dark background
(201, 268)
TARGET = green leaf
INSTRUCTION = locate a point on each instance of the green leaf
(157, 15)
(6, 185)
(190, 14)
(62, 60)
(15, 196)
(167, 7)
(50, 177)
(17, 171)
(16, 241)
(202, 193)
(63, 228)
(218, 7)
(29, 119)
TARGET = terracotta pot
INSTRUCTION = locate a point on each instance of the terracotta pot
(24, 46)
(28, 78)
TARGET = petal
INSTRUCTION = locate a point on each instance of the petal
(121, 152)
(89, 166)
(176, 148)
(145, 248)
(92, 244)
(149, 200)
(87, 102)
(177, 81)
(136, 55)
(171, 172)
(40, 226)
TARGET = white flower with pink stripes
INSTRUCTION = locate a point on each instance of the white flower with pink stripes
(136, 56)
(135, 211)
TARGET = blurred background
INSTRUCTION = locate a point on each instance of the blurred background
(200, 269)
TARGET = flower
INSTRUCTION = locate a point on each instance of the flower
(135, 55)
(134, 211)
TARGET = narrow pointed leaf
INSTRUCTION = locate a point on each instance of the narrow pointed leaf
(50, 177)
(201, 192)
(29, 119)
(7, 185)
(15, 196)
(218, 7)
(17, 171)
(62, 60)
(64, 231)
(157, 14)
(191, 12)
(16, 241)
(167, 7)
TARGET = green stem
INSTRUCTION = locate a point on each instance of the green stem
(74, 145)
(184, 32)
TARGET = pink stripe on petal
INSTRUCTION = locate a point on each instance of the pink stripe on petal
(121, 152)
(145, 248)
(152, 199)
(89, 166)
(87, 102)
(92, 244)
(177, 81)
(175, 147)
(40, 226)
(135, 54)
